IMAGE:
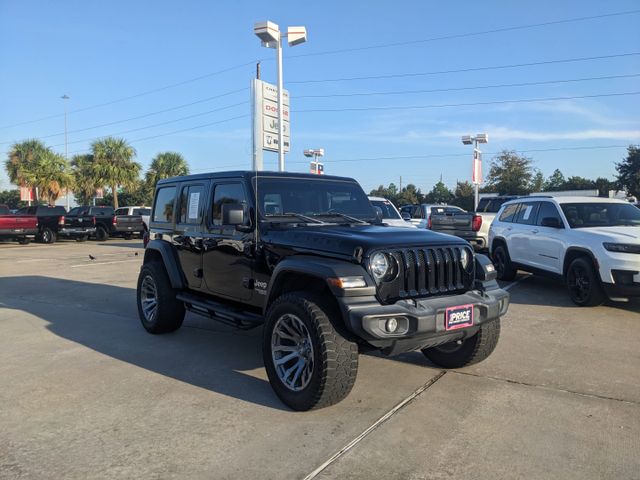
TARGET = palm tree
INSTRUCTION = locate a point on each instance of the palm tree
(166, 165)
(21, 164)
(53, 176)
(114, 165)
(85, 179)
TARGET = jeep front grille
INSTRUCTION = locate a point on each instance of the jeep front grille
(429, 271)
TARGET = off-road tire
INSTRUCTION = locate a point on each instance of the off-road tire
(594, 294)
(170, 312)
(101, 234)
(504, 268)
(472, 350)
(335, 357)
(46, 235)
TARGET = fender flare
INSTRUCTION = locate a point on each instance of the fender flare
(170, 260)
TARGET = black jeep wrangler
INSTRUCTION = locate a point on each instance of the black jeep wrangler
(308, 257)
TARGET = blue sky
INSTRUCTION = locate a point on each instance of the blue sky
(98, 52)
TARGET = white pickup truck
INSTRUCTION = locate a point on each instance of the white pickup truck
(144, 212)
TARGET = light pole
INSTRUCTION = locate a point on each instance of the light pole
(316, 166)
(477, 162)
(271, 37)
(64, 98)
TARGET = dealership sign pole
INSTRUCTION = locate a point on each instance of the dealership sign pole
(476, 175)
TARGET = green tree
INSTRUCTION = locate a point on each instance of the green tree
(555, 182)
(114, 165)
(53, 177)
(628, 178)
(604, 185)
(578, 183)
(166, 165)
(464, 196)
(22, 161)
(510, 173)
(136, 194)
(408, 196)
(537, 182)
(11, 198)
(439, 194)
(85, 178)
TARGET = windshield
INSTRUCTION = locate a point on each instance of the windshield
(280, 196)
(388, 210)
(77, 211)
(585, 215)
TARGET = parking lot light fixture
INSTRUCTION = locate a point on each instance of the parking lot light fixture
(271, 36)
(477, 161)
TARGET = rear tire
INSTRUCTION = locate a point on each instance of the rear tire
(101, 234)
(322, 364)
(158, 308)
(472, 350)
(47, 235)
(82, 238)
(24, 241)
(502, 261)
(583, 284)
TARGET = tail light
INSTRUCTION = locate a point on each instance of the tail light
(93, 219)
(61, 220)
(476, 223)
(113, 221)
(429, 223)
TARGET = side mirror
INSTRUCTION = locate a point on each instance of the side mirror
(379, 214)
(405, 216)
(233, 214)
(552, 222)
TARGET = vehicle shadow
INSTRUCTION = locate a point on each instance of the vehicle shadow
(104, 318)
(546, 291)
(109, 243)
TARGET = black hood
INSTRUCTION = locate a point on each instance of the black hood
(342, 240)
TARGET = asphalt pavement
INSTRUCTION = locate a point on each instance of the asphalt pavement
(86, 393)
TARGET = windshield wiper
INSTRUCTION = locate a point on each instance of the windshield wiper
(338, 214)
(295, 215)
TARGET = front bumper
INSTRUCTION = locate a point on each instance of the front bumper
(365, 317)
(76, 231)
(626, 284)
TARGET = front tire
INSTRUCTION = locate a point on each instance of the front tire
(502, 261)
(310, 364)
(47, 235)
(158, 308)
(472, 350)
(583, 284)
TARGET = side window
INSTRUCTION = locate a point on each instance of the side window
(223, 194)
(417, 211)
(122, 211)
(547, 209)
(163, 208)
(527, 213)
(190, 201)
(509, 212)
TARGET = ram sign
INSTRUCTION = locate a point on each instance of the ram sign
(266, 116)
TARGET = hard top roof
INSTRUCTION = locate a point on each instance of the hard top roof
(248, 174)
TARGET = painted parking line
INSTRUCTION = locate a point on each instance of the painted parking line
(98, 263)
(513, 284)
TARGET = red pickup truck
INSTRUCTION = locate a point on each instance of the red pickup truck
(17, 227)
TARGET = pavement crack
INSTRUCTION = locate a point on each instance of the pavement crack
(374, 426)
(547, 387)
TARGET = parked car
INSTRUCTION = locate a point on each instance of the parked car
(306, 256)
(144, 212)
(50, 221)
(593, 244)
(472, 226)
(419, 214)
(17, 227)
(104, 221)
(390, 214)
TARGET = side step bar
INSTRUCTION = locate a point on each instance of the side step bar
(221, 312)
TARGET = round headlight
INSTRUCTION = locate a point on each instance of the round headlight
(379, 265)
(464, 258)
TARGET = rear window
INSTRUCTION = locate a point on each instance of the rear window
(142, 211)
(122, 211)
(492, 204)
(190, 204)
(78, 211)
(163, 208)
(101, 211)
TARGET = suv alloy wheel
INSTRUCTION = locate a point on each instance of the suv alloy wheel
(583, 283)
(502, 261)
(309, 363)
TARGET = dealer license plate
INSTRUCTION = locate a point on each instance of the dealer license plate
(458, 317)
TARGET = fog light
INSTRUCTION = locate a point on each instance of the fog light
(391, 325)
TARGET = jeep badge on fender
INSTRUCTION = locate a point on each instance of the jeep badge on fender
(308, 258)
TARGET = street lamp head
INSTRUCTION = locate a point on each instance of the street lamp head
(482, 138)
(268, 32)
(318, 152)
(65, 97)
(467, 139)
(296, 35)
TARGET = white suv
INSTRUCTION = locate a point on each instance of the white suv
(593, 244)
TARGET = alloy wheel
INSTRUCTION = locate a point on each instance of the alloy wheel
(149, 298)
(292, 352)
(579, 283)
